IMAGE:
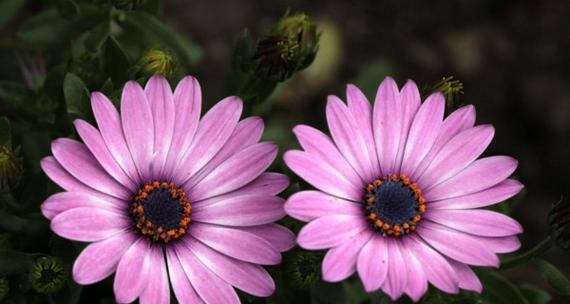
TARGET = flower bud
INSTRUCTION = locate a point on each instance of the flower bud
(304, 269)
(47, 275)
(157, 62)
(10, 168)
(451, 89)
(559, 223)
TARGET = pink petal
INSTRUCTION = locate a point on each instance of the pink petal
(268, 182)
(478, 222)
(322, 176)
(503, 244)
(340, 262)
(281, 238)
(321, 147)
(63, 201)
(309, 205)
(349, 141)
(411, 100)
(498, 193)
(387, 125)
(109, 123)
(361, 111)
(138, 127)
(95, 143)
(423, 132)
(460, 120)
(99, 260)
(397, 276)
(372, 263)
(157, 290)
(161, 101)
(133, 272)
(213, 132)
(467, 278)
(435, 267)
(89, 224)
(417, 280)
(242, 210)
(246, 133)
(236, 171)
(79, 162)
(457, 245)
(250, 278)
(188, 104)
(330, 231)
(236, 243)
(456, 155)
(210, 287)
(185, 293)
(480, 175)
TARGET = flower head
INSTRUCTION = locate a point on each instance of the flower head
(169, 199)
(399, 189)
(47, 275)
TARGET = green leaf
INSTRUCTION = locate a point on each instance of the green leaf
(5, 132)
(9, 9)
(46, 27)
(535, 295)
(67, 9)
(11, 223)
(14, 262)
(243, 52)
(76, 96)
(370, 77)
(97, 36)
(115, 62)
(497, 289)
(554, 277)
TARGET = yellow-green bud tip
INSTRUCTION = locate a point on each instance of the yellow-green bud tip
(10, 168)
(157, 62)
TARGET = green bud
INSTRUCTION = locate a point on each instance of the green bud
(4, 288)
(559, 222)
(128, 4)
(451, 89)
(290, 47)
(47, 275)
(10, 168)
(157, 62)
(303, 269)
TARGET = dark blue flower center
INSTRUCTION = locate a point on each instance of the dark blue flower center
(393, 205)
(161, 212)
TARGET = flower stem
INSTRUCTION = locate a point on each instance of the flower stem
(536, 251)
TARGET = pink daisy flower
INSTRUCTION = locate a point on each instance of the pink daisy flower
(169, 199)
(399, 192)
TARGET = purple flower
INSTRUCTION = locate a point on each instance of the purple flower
(399, 192)
(169, 199)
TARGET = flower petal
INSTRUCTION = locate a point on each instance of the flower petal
(213, 132)
(188, 104)
(109, 123)
(349, 141)
(309, 205)
(250, 278)
(161, 101)
(321, 147)
(133, 272)
(242, 210)
(281, 238)
(456, 155)
(99, 260)
(157, 290)
(210, 287)
(63, 201)
(79, 162)
(436, 268)
(387, 124)
(138, 127)
(411, 101)
(321, 175)
(89, 224)
(340, 262)
(467, 278)
(397, 276)
(236, 243)
(501, 244)
(478, 222)
(235, 172)
(361, 111)
(457, 245)
(423, 132)
(271, 183)
(95, 143)
(460, 120)
(417, 285)
(480, 175)
(498, 193)
(246, 133)
(185, 293)
(372, 263)
(330, 231)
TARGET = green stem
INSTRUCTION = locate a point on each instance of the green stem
(538, 250)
